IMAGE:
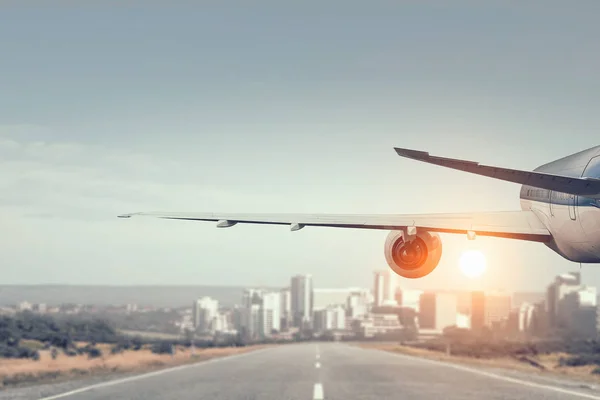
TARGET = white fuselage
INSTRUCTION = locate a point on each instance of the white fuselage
(573, 221)
(575, 229)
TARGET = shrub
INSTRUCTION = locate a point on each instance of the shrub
(162, 348)
(70, 352)
(9, 351)
(25, 352)
(94, 352)
(579, 360)
(137, 343)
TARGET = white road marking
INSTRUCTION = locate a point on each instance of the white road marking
(147, 375)
(318, 365)
(500, 377)
(318, 392)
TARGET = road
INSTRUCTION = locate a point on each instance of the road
(317, 371)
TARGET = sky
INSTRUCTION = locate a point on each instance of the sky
(107, 109)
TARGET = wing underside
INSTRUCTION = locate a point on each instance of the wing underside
(522, 225)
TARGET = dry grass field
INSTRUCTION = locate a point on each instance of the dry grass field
(550, 362)
(150, 335)
(23, 371)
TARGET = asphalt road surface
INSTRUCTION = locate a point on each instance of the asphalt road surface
(318, 371)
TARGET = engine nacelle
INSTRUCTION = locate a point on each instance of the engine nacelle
(413, 257)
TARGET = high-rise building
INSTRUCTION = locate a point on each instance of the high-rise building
(302, 300)
(357, 304)
(252, 324)
(465, 300)
(463, 321)
(497, 307)
(563, 285)
(398, 297)
(550, 304)
(251, 296)
(577, 311)
(238, 318)
(270, 313)
(384, 289)
(525, 317)
(261, 312)
(250, 312)
(437, 311)
(330, 318)
(378, 289)
(510, 326)
(427, 310)
(539, 323)
(285, 306)
(221, 323)
(204, 311)
(477, 310)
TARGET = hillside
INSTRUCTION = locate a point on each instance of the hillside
(157, 296)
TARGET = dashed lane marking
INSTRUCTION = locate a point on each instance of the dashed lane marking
(318, 392)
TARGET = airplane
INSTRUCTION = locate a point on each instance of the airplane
(560, 207)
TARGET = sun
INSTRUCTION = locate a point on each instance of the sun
(472, 263)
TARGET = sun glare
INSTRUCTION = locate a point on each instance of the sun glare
(472, 263)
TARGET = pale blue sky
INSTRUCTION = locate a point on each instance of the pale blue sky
(278, 108)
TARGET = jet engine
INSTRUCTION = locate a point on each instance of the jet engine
(413, 256)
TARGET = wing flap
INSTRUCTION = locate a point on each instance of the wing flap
(559, 183)
(523, 225)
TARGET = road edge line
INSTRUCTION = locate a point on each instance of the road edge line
(150, 374)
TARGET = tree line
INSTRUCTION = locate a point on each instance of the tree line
(53, 333)
(61, 334)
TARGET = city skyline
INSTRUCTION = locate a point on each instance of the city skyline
(567, 306)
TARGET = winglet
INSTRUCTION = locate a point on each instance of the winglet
(415, 154)
(426, 157)
(128, 215)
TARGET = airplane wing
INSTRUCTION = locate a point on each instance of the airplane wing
(523, 225)
(563, 184)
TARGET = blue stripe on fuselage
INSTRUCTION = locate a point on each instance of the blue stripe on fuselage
(562, 199)
(586, 163)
